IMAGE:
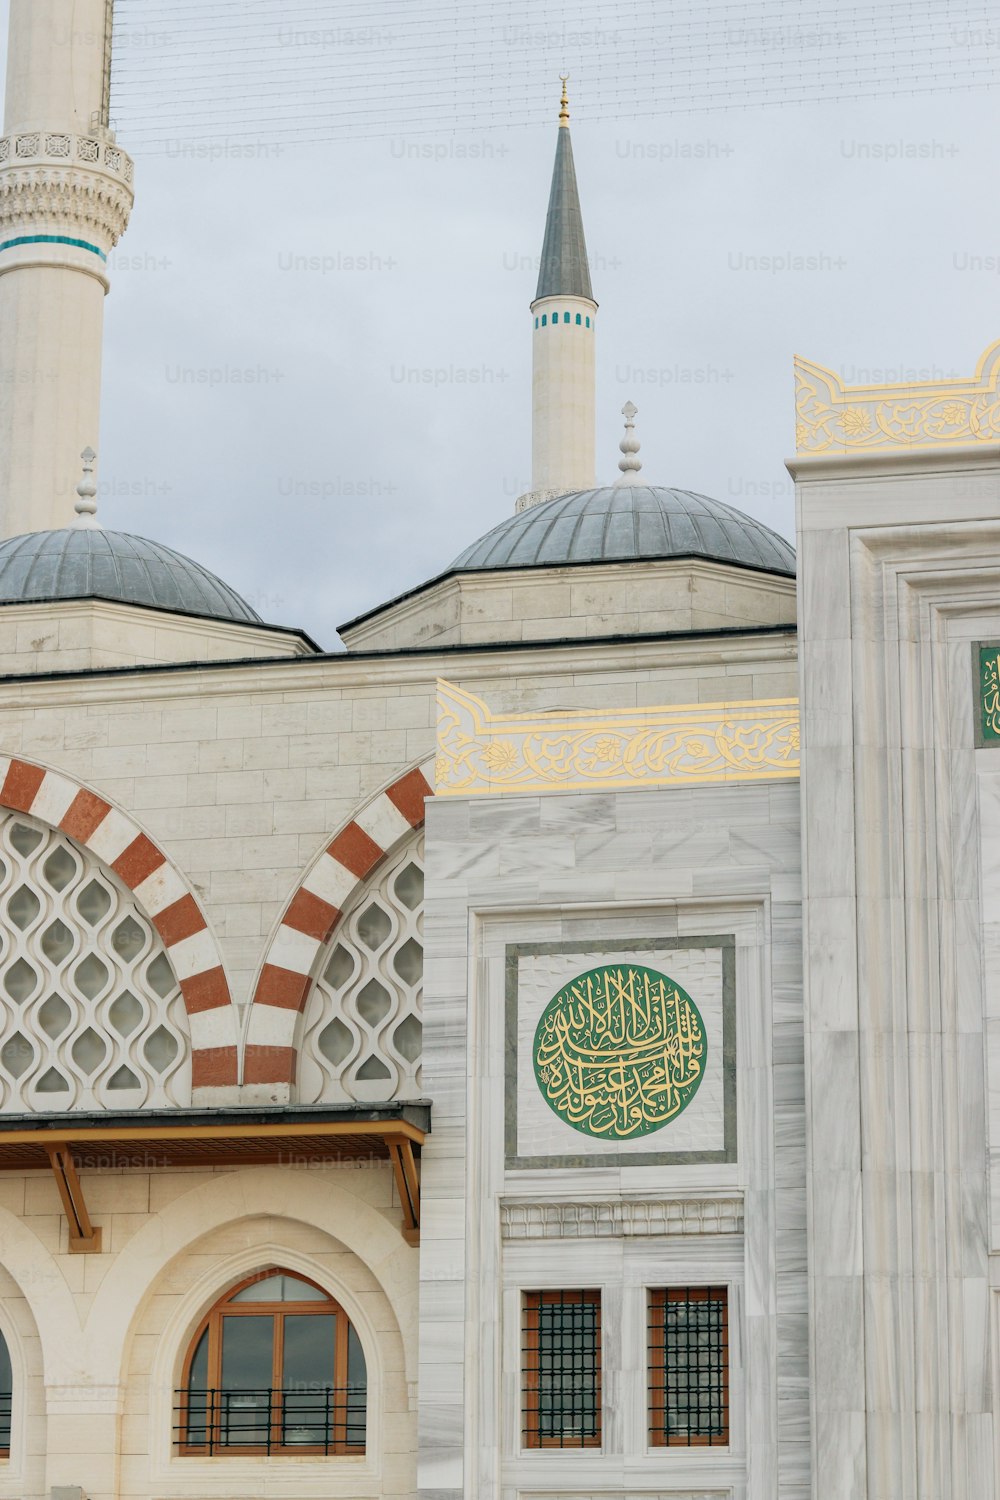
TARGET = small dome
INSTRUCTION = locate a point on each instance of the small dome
(626, 523)
(82, 562)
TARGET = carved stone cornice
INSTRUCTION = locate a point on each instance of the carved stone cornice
(621, 1218)
(54, 182)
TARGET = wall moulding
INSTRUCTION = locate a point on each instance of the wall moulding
(568, 750)
(526, 1220)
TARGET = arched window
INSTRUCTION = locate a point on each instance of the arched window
(565, 317)
(6, 1398)
(579, 319)
(276, 1367)
(545, 319)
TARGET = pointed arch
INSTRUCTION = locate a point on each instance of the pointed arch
(162, 893)
(313, 912)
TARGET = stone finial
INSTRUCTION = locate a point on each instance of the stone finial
(564, 101)
(86, 505)
(630, 463)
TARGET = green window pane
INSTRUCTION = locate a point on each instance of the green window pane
(567, 1371)
(247, 1367)
(308, 1383)
(280, 1288)
(198, 1398)
(357, 1389)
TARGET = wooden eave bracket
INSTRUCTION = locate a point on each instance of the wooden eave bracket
(404, 1166)
(84, 1238)
(22, 1150)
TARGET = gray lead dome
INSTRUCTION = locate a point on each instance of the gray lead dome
(626, 523)
(90, 563)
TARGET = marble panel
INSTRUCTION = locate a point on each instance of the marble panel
(538, 1136)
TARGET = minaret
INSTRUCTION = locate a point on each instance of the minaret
(65, 198)
(564, 316)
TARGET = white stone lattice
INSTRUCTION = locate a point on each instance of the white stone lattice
(362, 1024)
(91, 1014)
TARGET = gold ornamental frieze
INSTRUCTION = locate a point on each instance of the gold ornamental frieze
(479, 753)
(833, 418)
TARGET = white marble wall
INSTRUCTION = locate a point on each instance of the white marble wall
(670, 864)
(899, 573)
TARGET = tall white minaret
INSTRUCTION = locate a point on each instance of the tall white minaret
(564, 317)
(65, 199)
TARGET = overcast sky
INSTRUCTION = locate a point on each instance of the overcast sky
(318, 360)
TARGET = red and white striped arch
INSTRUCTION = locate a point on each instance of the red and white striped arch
(311, 916)
(160, 891)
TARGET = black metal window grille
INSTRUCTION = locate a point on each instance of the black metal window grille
(561, 1364)
(323, 1420)
(689, 1366)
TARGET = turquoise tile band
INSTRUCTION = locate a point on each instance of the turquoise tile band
(52, 239)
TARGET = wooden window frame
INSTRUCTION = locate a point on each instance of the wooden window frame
(659, 1299)
(531, 1435)
(226, 1307)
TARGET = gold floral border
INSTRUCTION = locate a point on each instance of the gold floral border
(479, 753)
(835, 418)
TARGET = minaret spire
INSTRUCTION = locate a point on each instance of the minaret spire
(564, 314)
(65, 199)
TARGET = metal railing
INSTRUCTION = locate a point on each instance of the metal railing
(6, 1400)
(318, 1420)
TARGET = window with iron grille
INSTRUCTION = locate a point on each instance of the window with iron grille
(689, 1366)
(561, 1354)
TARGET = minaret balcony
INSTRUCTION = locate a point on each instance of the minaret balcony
(62, 195)
(58, 149)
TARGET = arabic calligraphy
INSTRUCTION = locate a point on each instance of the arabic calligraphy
(620, 1051)
(989, 666)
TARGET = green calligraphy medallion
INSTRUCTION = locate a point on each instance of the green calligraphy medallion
(620, 1052)
(989, 703)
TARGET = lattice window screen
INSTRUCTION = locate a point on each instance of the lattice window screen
(91, 1014)
(362, 1023)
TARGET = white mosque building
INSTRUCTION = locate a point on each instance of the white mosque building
(549, 1050)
